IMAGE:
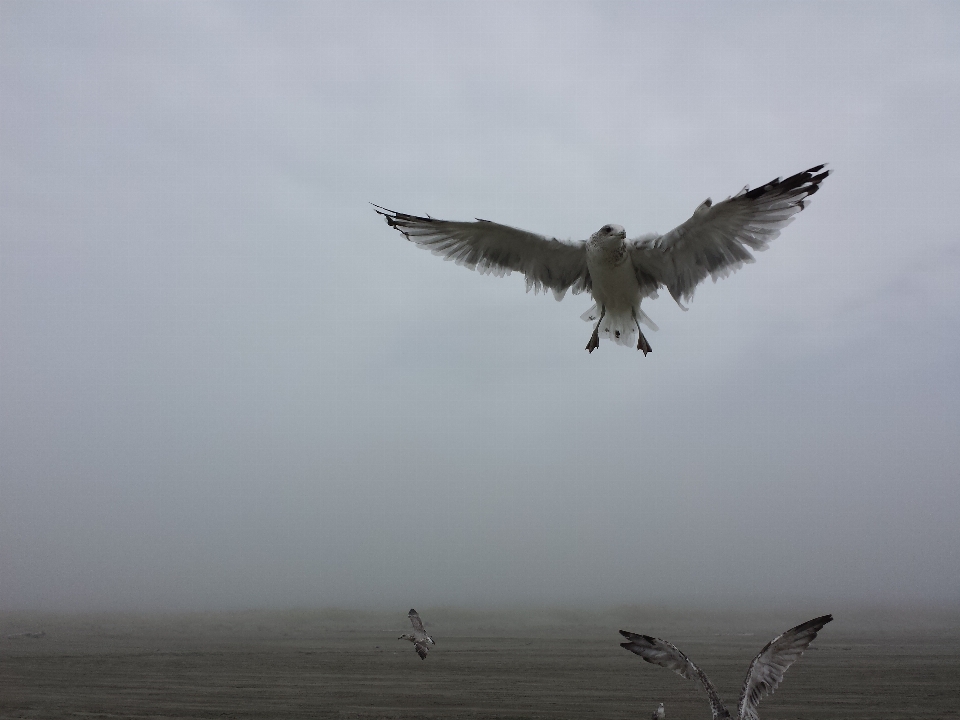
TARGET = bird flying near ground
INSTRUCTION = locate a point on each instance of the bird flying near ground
(764, 676)
(619, 273)
(419, 638)
(660, 713)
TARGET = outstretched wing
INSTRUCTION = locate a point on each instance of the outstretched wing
(717, 239)
(416, 622)
(660, 652)
(421, 650)
(489, 247)
(767, 669)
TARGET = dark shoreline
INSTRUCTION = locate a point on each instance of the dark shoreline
(547, 663)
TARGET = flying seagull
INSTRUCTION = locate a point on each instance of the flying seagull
(660, 713)
(620, 273)
(419, 637)
(764, 676)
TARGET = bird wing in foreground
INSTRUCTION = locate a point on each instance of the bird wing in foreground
(416, 622)
(421, 649)
(767, 669)
(715, 240)
(489, 247)
(660, 652)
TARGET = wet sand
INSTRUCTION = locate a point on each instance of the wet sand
(533, 664)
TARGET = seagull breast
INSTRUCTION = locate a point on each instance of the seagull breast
(614, 278)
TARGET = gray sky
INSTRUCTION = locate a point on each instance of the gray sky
(226, 383)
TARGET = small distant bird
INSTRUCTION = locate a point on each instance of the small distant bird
(419, 637)
(659, 713)
(764, 676)
(617, 272)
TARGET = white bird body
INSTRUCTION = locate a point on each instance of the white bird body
(620, 273)
(614, 284)
(419, 638)
(660, 713)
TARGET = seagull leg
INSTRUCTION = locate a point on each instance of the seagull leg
(595, 338)
(642, 343)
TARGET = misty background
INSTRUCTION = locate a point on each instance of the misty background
(225, 383)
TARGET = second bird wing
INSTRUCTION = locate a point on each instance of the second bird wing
(767, 669)
(717, 239)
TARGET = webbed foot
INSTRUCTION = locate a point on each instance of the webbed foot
(594, 341)
(642, 343)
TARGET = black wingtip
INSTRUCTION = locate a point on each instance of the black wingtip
(809, 180)
(818, 622)
(389, 215)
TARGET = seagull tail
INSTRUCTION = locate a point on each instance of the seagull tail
(619, 326)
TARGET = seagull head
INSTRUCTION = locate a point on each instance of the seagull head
(610, 235)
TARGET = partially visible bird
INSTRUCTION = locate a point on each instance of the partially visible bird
(619, 273)
(419, 638)
(763, 677)
(659, 713)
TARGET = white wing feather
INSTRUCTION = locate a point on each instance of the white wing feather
(717, 239)
(416, 622)
(489, 247)
(767, 669)
(660, 652)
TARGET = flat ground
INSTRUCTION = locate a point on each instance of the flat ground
(532, 664)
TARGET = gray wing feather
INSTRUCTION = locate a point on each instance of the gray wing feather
(767, 669)
(416, 622)
(488, 247)
(660, 652)
(717, 239)
(421, 650)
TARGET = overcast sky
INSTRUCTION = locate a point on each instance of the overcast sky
(226, 383)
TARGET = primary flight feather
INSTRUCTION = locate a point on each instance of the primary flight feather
(620, 273)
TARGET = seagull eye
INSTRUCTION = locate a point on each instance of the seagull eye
(606, 228)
